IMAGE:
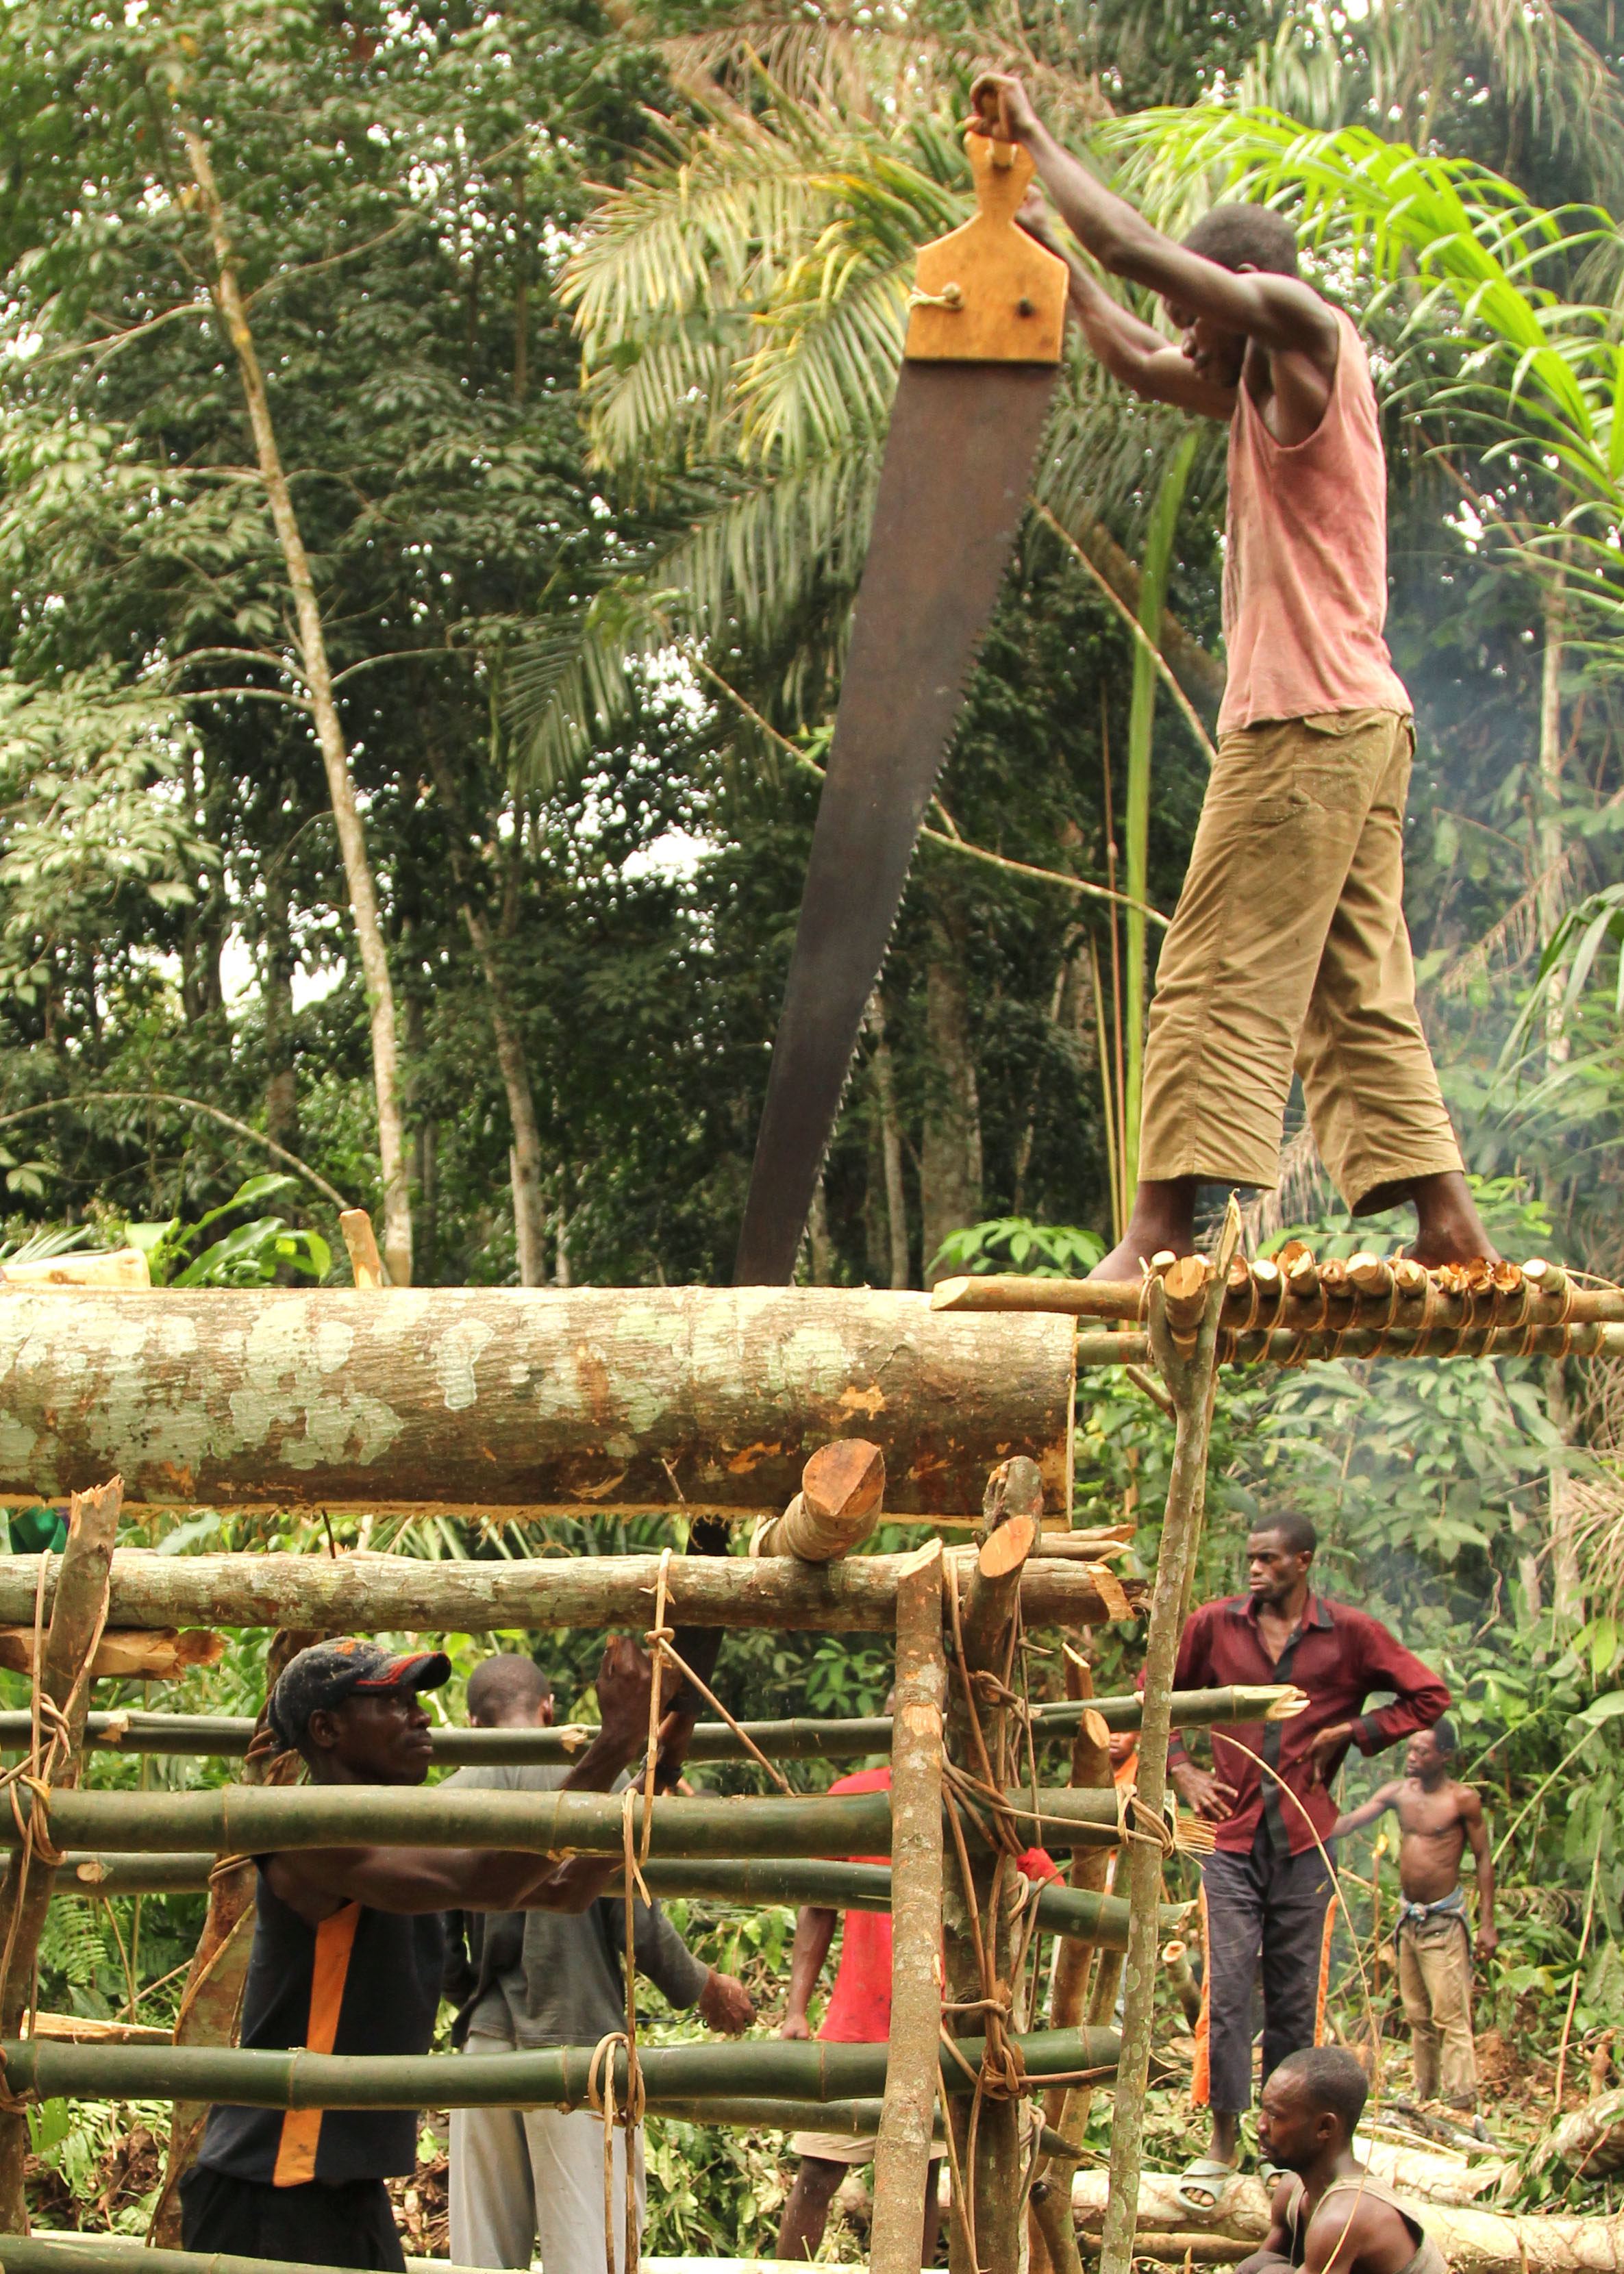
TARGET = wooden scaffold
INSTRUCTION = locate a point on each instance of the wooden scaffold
(786, 1411)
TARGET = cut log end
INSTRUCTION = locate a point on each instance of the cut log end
(1007, 1549)
(844, 1481)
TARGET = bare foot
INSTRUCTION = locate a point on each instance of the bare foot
(1449, 1228)
(1163, 1216)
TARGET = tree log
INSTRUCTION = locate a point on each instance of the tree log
(555, 2076)
(1473, 2241)
(383, 1594)
(229, 1735)
(248, 1820)
(25, 1896)
(126, 2254)
(566, 1400)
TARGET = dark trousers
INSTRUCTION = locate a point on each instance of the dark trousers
(321, 2223)
(1269, 1906)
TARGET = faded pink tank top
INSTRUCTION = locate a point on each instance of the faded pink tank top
(1306, 571)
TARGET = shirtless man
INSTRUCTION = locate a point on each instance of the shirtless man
(1436, 1819)
(1328, 2215)
(1289, 947)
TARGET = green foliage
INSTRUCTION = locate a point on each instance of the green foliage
(1014, 1243)
(250, 1256)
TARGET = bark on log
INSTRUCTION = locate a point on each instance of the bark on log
(1473, 2241)
(381, 1593)
(555, 2076)
(561, 1400)
(25, 1896)
(229, 1735)
(126, 2254)
(907, 2122)
(247, 1820)
(129, 1656)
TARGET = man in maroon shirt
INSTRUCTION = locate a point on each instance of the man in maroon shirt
(1267, 1886)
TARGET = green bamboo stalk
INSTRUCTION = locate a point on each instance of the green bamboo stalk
(553, 2076)
(226, 1736)
(1153, 596)
(246, 1820)
(1076, 1912)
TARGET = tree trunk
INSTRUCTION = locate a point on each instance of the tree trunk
(329, 731)
(281, 1081)
(1548, 847)
(487, 1398)
(950, 1166)
(376, 1594)
(890, 1146)
(25, 1896)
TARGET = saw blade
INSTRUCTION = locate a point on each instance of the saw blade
(958, 467)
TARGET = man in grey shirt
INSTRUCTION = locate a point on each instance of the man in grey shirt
(524, 1979)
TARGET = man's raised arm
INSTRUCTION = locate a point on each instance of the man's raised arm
(1281, 314)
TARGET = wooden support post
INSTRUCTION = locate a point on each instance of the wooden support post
(25, 1896)
(1189, 1379)
(903, 2155)
(365, 1263)
(1091, 1769)
(212, 2001)
(978, 1916)
(1052, 2226)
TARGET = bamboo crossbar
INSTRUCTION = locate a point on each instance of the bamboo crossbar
(227, 1737)
(254, 1820)
(350, 1594)
(553, 2076)
(743, 1880)
(1290, 1348)
(127, 2253)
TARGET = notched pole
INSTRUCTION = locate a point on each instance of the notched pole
(903, 2155)
(1183, 1341)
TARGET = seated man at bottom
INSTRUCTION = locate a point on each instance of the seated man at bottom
(349, 1950)
(1329, 2216)
(529, 2181)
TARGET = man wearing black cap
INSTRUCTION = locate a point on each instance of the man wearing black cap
(349, 1950)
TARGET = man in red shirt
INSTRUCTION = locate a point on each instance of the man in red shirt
(859, 2013)
(1267, 1888)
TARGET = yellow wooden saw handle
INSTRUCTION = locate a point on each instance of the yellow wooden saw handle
(989, 293)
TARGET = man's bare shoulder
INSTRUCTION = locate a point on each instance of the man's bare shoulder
(1350, 2228)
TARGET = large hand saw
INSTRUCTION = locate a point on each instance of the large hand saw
(985, 333)
(986, 327)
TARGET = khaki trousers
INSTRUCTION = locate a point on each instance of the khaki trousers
(1435, 1981)
(1288, 949)
(528, 2183)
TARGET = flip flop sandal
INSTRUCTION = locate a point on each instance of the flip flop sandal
(1203, 2184)
(1271, 2175)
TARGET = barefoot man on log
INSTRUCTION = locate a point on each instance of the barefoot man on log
(1288, 948)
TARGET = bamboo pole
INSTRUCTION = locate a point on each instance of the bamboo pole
(1099, 1921)
(1189, 1380)
(553, 2076)
(907, 2122)
(573, 1400)
(386, 1593)
(229, 1737)
(240, 1819)
(76, 1615)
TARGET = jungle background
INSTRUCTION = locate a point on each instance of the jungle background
(436, 449)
